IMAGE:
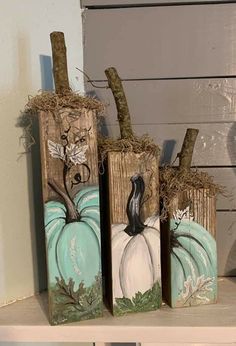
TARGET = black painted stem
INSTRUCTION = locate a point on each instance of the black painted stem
(135, 224)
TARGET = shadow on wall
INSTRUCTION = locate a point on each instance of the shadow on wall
(167, 152)
(30, 127)
(230, 267)
(36, 180)
(46, 72)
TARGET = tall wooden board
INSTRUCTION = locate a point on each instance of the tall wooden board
(135, 234)
(189, 256)
(72, 217)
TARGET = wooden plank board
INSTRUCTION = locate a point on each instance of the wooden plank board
(226, 243)
(189, 258)
(215, 145)
(227, 178)
(71, 214)
(105, 3)
(174, 101)
(134, 232)
(178, 41)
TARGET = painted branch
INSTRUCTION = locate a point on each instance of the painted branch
(186, 153)
(60, 72)
(123, 114)
(72, 213)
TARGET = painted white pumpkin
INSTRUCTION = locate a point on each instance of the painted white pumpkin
(135, 249)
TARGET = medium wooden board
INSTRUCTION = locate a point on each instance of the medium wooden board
(168, 42)
(134, 232)
(215, 145)
(174, 101)
(71, 214)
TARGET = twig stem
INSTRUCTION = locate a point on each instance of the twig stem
(60, 72)
(123, 114)
(186, 153)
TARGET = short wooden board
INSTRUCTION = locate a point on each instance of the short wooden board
(189, 259)
(72, 217)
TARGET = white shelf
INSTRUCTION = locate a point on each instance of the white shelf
(27, 321)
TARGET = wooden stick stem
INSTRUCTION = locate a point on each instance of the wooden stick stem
(60, 72)
(123, 114)
(186, 153)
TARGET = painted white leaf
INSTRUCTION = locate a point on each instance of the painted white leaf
(56, 150)
(76, 154)
(183, 215)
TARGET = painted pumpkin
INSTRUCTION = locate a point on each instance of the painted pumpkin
(135, 248)
(74, 247)
(193, 263)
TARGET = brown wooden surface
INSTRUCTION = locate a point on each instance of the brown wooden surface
(121, 167)
(202, 207)
(51, 130)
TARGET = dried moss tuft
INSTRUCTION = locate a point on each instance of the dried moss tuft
(142, 144)
(52, 102)
(174, 180)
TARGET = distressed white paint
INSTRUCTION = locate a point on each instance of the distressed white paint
(24, 38)
(135, 260)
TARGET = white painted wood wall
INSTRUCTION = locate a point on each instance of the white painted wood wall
(178, 64)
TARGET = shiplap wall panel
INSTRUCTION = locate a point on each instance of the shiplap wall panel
(215, 145)
(174, 101)
(169, 41)
(226, 177)
(100, 3)
(226, 243)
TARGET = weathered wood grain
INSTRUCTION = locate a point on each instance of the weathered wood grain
(121, 167)
(85, 125)
(174, 101)
(202, 207)
(178, 41)
(71, 213)
(215, 146)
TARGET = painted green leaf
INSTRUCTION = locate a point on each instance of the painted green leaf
(73, 305)
(149, 300)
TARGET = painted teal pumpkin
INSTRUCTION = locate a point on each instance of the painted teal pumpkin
(74, 250)
(193, 263)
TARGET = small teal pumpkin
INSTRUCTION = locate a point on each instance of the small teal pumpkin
(193, 257)
(74, 250)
